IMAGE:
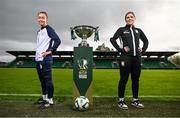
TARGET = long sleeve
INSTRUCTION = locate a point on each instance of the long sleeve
(56, 40)
(144, 40)
(114, 42)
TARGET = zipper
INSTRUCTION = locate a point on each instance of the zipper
(134, 46)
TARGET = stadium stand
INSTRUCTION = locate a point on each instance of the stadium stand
(3, 64)
(102, 59)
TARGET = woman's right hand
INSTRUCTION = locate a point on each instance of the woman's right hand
(127, 49)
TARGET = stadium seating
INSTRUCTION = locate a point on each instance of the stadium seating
(104, 63)
(23, 63)
(64, 59)
(157, 64)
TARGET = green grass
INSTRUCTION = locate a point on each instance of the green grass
(105, 82)
(103, 107)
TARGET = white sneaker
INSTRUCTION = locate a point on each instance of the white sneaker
(50, 101)
(122, 105)
(44, 105)
(137, 104)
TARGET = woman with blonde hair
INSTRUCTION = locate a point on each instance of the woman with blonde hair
(47, 43)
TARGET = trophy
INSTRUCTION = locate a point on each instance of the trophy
(84, 32)
(83, 65)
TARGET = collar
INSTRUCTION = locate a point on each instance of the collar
(129, 26)
(42, 27)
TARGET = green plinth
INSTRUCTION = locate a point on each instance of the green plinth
(83, 73)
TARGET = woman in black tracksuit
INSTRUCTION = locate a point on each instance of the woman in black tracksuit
(130, 58)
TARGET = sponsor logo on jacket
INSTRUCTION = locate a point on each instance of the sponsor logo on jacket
(126, 32)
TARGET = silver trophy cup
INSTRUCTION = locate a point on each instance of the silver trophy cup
(84, 32)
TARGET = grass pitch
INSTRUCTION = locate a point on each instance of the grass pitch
(162, 87)
(103, 107)
(105, 82)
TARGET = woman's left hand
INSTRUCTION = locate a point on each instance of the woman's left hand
(44, 54)
(140, 50)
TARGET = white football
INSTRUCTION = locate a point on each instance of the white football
(82, 103)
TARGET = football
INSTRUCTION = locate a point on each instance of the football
(82, 103)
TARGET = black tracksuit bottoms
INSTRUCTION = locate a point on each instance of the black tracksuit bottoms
(129, 65)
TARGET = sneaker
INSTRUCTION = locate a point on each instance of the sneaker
(50, 101)
(45, 104)
(122, 105)
(39, 101)
(137, 104)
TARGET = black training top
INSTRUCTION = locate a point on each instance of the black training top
(129, 36)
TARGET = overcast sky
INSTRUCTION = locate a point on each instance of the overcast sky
(159, 19)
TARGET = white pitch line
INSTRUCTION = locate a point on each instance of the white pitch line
(148, 96)
(14, 94)
(18, 94)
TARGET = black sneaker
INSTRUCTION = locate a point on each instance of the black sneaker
(45, 104)
(39, 101)
(122, 105)
(137, 104)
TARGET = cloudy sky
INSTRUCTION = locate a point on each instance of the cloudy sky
(159, 19)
